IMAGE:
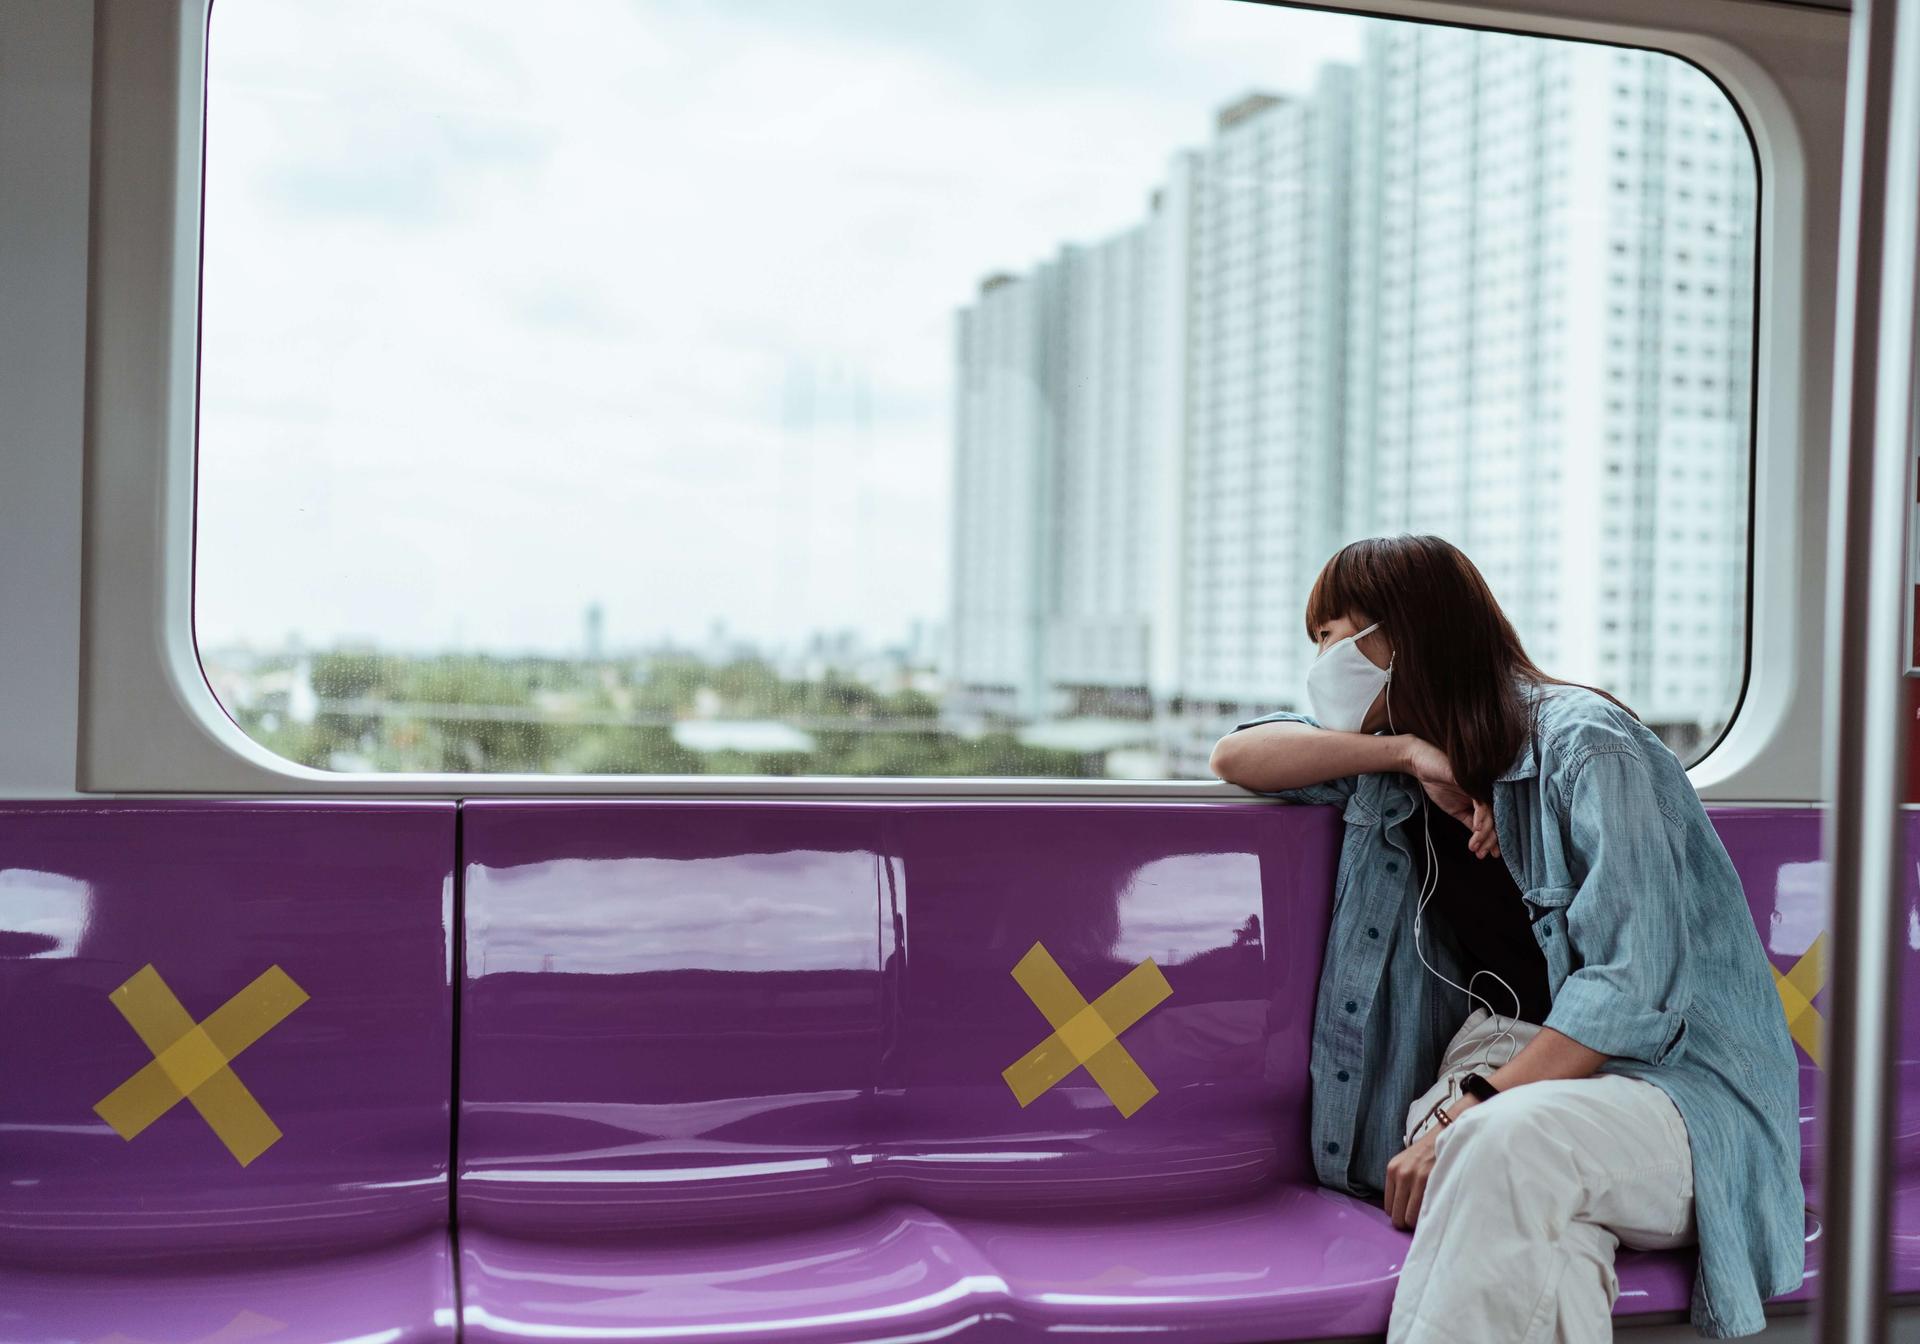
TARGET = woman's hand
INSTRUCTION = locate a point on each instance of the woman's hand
(1484, 841)
(1407, 1173)
(1428, 764)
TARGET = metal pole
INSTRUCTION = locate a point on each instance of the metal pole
(1871, 446)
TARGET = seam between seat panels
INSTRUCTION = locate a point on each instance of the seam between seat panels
(458, 989)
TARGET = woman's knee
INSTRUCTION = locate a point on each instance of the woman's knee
(1469, 1140)
(1498, 1115)
(1506, 1129)
(1513, 1157)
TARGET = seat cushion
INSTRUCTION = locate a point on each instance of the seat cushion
(1298, 1262)
(400, 1293)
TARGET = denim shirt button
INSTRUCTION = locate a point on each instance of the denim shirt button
(1351, 1005)
(1342, 1075)
(1333, 1147)
(1373, 933)
(1393, 865)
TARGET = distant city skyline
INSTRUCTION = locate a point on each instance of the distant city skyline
(913, 640)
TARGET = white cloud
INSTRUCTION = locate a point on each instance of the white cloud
(504, 314)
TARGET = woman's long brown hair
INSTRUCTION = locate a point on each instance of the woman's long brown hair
(1457, 661)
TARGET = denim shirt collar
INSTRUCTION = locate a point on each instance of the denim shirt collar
(1524, 765)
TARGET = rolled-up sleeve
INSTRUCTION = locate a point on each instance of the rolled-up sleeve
(1334, 791)
(1626, 924)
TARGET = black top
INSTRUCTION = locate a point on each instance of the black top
(1479, 903)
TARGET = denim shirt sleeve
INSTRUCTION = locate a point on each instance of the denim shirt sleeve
(1334, 791)
(1626, 924)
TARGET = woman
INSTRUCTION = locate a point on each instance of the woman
(1529, 892)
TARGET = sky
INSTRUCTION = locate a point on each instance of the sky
(644, 303)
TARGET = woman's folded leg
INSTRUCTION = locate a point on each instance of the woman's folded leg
(1529, 1197)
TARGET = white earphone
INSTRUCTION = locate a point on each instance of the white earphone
(1429, 884)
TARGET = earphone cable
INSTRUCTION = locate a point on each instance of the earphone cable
(1429, 885)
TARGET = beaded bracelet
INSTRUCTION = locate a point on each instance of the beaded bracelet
(1435, 1113)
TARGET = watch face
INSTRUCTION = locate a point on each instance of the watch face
(1476, 1085)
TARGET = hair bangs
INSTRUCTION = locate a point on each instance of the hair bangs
(1337, 591)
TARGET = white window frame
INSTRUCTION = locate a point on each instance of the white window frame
(149, 723)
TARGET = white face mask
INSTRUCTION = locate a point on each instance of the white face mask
(1342, 683)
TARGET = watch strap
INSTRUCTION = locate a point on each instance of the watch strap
(1478, 1085)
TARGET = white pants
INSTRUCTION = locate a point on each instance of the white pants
(1530, 1194)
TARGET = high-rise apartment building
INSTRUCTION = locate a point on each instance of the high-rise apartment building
(1003, 547)
(1676, 461)
(1460, 304)
(1493, 287)
(1065, 426)
(1266, 205)
(1549, 342)
(1115, 365)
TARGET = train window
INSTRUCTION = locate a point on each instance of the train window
(815, 387)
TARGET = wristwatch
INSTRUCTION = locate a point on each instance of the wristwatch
(1476, 1085)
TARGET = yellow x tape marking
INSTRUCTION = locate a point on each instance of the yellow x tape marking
(1085, 1033)
(192, 1061)
(1797, 988)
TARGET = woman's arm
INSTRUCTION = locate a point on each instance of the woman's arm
(1630, 988)
(1306, 763)
(1548, 1055)
(1268, 757)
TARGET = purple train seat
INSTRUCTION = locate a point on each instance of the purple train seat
(766, 1069)
(226, 1066)
(775, 1070)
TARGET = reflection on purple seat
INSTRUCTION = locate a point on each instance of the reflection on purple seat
(400, 1293)
(737, 1068)
(335, 1230)
(1292, 1261)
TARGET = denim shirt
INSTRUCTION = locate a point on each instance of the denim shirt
(1652, 959)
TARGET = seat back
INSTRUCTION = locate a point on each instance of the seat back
(227, 1028)
(686, 1014)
